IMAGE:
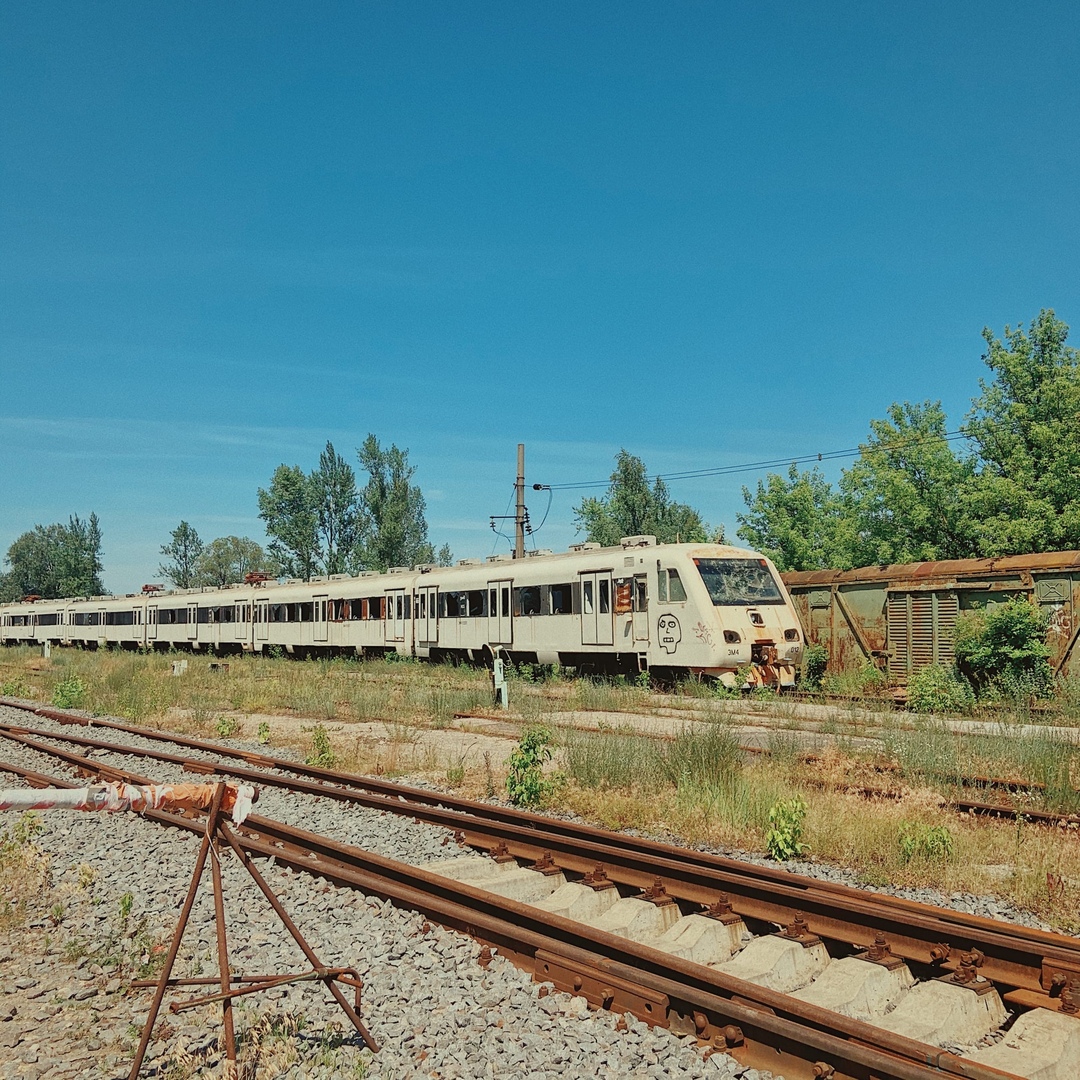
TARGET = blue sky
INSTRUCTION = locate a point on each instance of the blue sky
(712, 233)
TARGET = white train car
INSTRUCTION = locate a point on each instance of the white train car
(671, 609)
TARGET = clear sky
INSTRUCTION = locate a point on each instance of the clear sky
(712, 233)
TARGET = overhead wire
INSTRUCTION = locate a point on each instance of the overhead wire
(756, 466)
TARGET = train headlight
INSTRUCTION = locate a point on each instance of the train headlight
(791, 635)
(732, 637)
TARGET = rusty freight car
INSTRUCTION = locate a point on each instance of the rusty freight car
(902, 618)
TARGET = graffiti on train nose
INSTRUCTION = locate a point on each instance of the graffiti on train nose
(670, 633)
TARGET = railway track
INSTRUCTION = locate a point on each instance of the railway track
(1031, 970)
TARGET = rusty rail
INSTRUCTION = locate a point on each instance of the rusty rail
(759, 1027)
(1016, 957)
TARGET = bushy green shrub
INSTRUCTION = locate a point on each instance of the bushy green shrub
(815, 661)
(69, 693)
(783, 839)
(1003, 647)
(867, 680)
(322, 754)
(930, 843)
(938, 689)
(526, 784)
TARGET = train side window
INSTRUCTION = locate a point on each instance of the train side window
(453, 607)
(528, 600)
(587, 597)
(423, 605)
(661, 586)
(505, 600)
(675, 587)
(641, 595)
(561, 603)
(476, 603)
(605, 596)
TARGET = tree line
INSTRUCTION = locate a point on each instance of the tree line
(319, 522)
(1006, 482)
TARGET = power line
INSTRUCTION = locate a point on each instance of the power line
(756, 466)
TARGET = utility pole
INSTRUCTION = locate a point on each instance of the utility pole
(519, 513)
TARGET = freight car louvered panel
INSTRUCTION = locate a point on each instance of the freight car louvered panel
(948, 608)
(899, 630)
(922, 631)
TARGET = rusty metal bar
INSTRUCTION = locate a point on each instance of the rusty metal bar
(222, 946)
(174, 948)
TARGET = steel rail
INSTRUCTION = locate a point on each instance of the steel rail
(1014, 957)
(759, 1027)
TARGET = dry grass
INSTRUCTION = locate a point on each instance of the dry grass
(25, 881)
(398, 719)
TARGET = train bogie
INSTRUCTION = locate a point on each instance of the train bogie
(710, 610)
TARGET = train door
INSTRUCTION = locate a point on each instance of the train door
(597, 627)
(138, 630)
(151, 623)
(241, 617)
(262, 620)
(500, 619)
(319, 615)
(641, 608)
(102, 628)
(192, 621)
(427, 616)
(395, 615)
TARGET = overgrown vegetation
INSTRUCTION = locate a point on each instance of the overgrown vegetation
(526, 784)
(24, 872)
(667, 764)
(1003, 649)
(783, 840)
(939, 689)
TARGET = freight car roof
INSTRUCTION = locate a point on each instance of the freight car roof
(945, 570)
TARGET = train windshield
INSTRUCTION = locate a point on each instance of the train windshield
(739, 582)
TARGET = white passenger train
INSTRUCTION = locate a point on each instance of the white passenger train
(671, 609)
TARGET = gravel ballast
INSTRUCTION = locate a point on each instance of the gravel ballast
(66, 1010)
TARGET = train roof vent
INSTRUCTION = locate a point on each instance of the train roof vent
(539, 551)
(338, 577)
(294, 581)
(503, 556)
(470, 562)
(638, 541)
(368, 573)
(399, 570)
(587, 545)
(425, 567)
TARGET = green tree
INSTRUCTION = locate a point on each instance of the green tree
(1026, 426)
(800, 522)
(339, 512)
(55, 561)
(395, 532)
(226, 561)
(183, 553)
(289, 509)
(907, 497)
(633, 507)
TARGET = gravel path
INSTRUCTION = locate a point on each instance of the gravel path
(66, 1010)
